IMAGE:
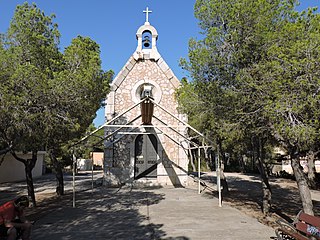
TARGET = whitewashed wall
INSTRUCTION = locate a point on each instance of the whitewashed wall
(12, 170)
(286, 166)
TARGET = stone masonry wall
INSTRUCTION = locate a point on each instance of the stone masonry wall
(174, 162)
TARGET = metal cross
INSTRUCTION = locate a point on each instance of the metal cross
(147, 14)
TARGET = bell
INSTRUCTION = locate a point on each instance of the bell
(146, 42)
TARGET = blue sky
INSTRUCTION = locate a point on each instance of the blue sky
(113, 25)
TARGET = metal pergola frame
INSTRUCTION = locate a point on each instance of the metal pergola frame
(162, 128)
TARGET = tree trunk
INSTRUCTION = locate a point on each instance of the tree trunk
(212, 161)
(192, 161)
(29, 165)
(241, 164)
(258, 156)
(302, 183)
(206, 156)
(266, 188)
(58, 172)
(311, 169)
(267, 194)
(223, 179)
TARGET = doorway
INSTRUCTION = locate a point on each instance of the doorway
(145, 156)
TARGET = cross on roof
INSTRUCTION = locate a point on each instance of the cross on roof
(147, 14)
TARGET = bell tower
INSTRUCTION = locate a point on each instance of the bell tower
(147, 37)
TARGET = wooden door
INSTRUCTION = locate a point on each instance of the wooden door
(146, 155)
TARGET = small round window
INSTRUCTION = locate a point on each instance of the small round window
(143, 89)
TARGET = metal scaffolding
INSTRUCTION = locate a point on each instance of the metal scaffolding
(161, 129)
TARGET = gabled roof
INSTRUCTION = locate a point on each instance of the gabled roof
(130, 65)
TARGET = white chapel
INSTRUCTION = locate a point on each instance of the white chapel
(145, 134)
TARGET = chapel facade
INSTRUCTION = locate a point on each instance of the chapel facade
(145, 134)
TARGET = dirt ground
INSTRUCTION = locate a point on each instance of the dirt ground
(245, 194)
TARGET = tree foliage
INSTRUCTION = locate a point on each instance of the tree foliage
(255, 76)
(48, 98)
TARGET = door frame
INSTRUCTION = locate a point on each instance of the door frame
(133, 158)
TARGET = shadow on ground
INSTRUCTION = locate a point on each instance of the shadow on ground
(44, 186)
(245, 194)
(102, 214)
